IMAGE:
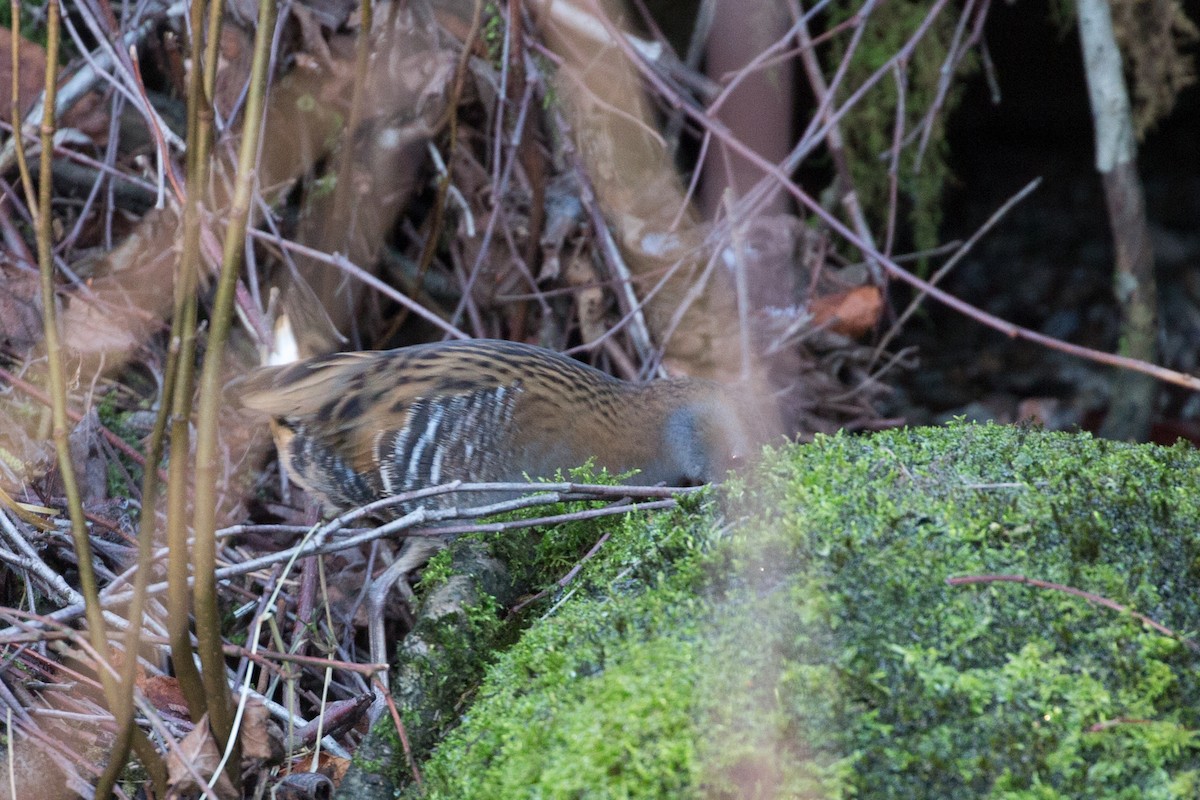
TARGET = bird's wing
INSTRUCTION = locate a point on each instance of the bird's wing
(350, 401)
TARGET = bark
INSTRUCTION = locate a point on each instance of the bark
(1133, 394)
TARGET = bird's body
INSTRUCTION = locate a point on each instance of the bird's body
(358, 427)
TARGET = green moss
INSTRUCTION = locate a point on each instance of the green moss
(619, 647)
(443, 659)
(815, 649)
(121, 468)
(464, 592)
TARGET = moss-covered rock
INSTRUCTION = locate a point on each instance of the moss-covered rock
(805, 642)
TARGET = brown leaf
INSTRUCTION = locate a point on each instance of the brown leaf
(199, 750)
(89, 116)
(234, 70)
(24, 454)
(32, 69)
(333, 767)
(261, 738)
(850, 313)
(35, 773)
(20, 319)
(164, 694)
(87, 454)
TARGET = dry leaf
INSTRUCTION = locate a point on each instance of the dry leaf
(198, 749)
(164, 694)
(35, 774)
(32, 68)
(87, 454)
(332, 767)
(23, 454)
(850, 313)
(20, 317)
(261, 739)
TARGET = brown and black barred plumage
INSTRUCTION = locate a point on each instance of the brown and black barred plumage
(358, 427)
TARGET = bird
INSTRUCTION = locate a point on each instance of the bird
(355, 427)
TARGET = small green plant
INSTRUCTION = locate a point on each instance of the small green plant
(123, 473)
(492, 33)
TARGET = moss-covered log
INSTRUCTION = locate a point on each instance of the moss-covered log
(805, 642)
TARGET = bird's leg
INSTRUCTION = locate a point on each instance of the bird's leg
(415, 552)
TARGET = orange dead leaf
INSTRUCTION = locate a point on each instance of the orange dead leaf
(333, 767)
(164, 694)
(850, 313)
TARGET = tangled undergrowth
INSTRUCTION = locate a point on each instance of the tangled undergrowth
(377, 175)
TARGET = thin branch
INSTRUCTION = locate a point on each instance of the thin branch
(546, 493)
(1095, 599)
(204, 593)
(951, 262)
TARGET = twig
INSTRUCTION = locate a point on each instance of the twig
(958, 256)
(409, 526)
(549, 493)
(1089, 596)
(565, 579)
(80, 84)
(833, 136)
(955, 53)
(28, 560)
(358, 273)
(204, 590)
(401, 731)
